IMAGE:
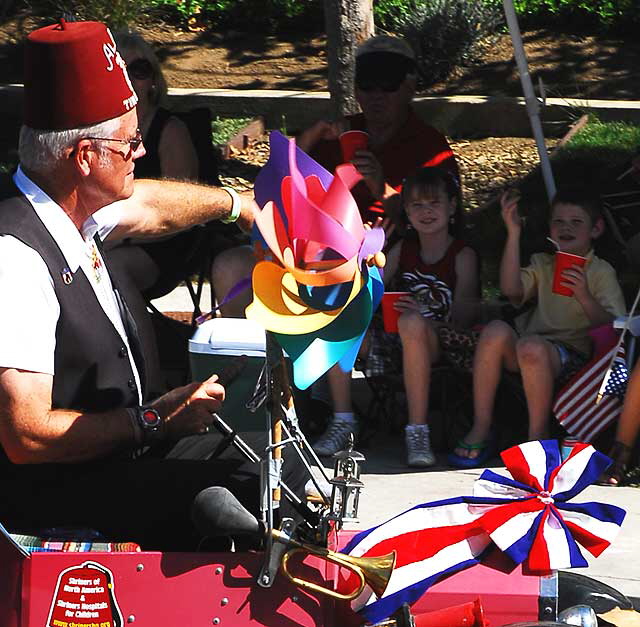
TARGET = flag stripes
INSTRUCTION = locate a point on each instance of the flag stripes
(575, 406)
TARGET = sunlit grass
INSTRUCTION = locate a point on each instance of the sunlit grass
(599, 135)
(223, 129)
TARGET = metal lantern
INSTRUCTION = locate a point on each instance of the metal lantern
(345, 493)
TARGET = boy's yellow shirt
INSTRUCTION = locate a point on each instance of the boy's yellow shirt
(557, 317)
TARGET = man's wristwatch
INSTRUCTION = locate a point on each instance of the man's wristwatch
(147, 424)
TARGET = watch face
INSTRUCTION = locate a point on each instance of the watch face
(150, 418)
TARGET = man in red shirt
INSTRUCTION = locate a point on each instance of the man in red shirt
(399, 141)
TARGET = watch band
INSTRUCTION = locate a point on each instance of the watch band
(147, 424)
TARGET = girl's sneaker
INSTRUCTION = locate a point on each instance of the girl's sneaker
(419, 453)
(335, 438)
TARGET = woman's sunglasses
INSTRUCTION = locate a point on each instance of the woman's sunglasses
(140, 69)
(387, 85)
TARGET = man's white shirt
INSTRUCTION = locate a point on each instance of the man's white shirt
(30, 310)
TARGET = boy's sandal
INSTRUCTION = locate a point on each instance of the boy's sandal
(615, 474)
(485, 449)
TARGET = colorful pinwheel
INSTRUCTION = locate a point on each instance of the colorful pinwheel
(318, 295)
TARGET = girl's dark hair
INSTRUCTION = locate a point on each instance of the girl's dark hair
(435, 177)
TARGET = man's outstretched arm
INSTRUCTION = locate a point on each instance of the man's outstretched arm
(161, 207)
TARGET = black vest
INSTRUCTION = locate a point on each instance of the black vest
(92, 370)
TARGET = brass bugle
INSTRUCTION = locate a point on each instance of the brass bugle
(372, 571)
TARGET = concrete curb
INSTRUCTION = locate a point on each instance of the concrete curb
(458, 116)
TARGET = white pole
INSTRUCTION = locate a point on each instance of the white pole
(533, 105)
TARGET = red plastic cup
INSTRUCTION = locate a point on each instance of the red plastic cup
(564, 261)
(351, 141)
(389, 314)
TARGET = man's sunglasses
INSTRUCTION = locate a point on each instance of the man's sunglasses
(387, 85)
(134, 142)
(140, 69)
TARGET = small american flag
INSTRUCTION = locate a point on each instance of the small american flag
(577, 407)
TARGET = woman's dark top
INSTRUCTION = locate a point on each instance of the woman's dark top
(148, 167)
(174, 256)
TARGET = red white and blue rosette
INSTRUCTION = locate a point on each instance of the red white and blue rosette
(525, 512)
(530, 517)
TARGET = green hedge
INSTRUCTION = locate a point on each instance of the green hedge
(249, 15)
(605, 14)
(307, 14)
(296, 15)
(446, 33)
(116, 13)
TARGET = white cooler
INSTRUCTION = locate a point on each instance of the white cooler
(213, 347)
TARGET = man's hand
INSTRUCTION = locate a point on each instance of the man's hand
(321, 130)
(188, 410)
(368, 165)
(247, 215)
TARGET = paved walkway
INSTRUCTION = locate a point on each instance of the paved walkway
(391, 487)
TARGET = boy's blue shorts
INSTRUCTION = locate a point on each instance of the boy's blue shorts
(571, 360)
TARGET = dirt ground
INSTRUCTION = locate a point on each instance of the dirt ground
(570, 65)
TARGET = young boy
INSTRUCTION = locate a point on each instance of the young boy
(550, 341)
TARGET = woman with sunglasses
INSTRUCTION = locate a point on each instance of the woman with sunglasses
(170, 153)
(157, 267)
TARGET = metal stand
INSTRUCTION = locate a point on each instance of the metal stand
(281, 419)
(283, 430)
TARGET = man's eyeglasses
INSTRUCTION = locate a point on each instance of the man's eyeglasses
(140, 69)
(134, 142)
(387, 85)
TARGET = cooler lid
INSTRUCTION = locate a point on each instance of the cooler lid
(229, 336)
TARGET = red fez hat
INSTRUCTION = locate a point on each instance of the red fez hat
(74, 77)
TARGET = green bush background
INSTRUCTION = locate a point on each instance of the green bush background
(306, 15)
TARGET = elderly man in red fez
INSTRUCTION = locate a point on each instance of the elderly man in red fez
(76, 407)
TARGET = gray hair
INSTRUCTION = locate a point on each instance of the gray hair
(41, 151)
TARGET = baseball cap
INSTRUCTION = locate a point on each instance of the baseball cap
(386, 43)
(383, 62)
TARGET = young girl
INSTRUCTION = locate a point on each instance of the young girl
(440, 272)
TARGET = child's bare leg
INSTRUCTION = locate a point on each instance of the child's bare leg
(343, 422)
(419, 350)
(539, 363)
(496, 350)
(340, 386)
(228, 268)
(340, 382)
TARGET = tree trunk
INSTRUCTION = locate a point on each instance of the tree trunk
(348, 22)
